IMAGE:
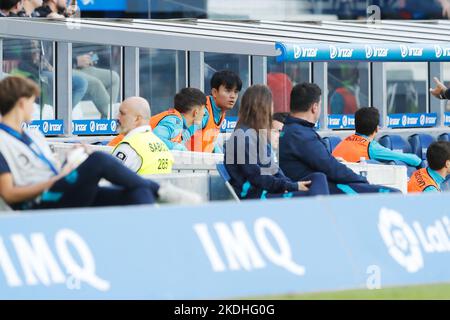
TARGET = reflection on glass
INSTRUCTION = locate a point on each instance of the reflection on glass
(95, 81)
(237, 63)
(162, 74)
(348, 87)
(32, 59)
(406, 87)
(282, 77)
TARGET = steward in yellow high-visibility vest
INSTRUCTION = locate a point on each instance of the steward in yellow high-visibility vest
(145, 151)
(140, 150)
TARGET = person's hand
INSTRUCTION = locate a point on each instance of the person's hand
(84, 61)
(68, 168)
(303, 185)
(198, 119)
(445, 8)
(77, 155)
(439, 89)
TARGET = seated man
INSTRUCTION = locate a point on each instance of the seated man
(303, 152)
(277, 126)
(10, 8)
(176, 126)
(362, 143)
(430, 179)
(249, 159)
(41, 182)
(140, 150)
(225, 88)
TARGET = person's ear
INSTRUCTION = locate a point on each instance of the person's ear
(214, 92)
(138, 118)
(21, 103)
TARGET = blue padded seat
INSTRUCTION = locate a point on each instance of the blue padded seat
(419, 144)
(395, 142)
(331, 142)
(444, 137)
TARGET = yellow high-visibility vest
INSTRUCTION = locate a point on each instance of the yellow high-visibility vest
(155, 156)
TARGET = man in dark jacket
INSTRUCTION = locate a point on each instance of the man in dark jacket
(303, 152)
(10, 8)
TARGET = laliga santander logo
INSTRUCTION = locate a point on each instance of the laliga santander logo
(113, 125)
(369, 52)
(403, 51)
(438, 51)
(92, 126)
(408, 242)
(45, 127)
(422, 120)
(404, 120)
(224, 124)
(297, 54)
(400, 239)
(333, 52)
(344, 121)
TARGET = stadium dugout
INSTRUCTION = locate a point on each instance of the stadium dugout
(386, 64)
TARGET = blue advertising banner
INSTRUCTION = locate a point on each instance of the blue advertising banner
(228, 124)
(447, 118)
(412, 120)
(341, 121)
(47, 127)
(363, 52)
(94, 127)
(242, 250)
(103, 5)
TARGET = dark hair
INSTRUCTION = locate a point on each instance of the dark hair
(187, 99)
(367, 120)
(14, 88)
(280, 116)
(8, 4)
(437, 154)
(303, 95)
(256, 108)
(227, 78)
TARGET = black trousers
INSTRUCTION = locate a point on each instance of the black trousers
(80, 188)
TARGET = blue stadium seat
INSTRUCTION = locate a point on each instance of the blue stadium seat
(223, 172)
(331, 142)
(395, 142)
(419, 144)
(444, 137)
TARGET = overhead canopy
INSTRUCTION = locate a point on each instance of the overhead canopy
(241, 37)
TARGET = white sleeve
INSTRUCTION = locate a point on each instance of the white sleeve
(129, 157)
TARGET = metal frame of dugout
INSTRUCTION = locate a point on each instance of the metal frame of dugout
(257, 39)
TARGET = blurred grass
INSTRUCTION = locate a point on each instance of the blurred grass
(423, 292)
